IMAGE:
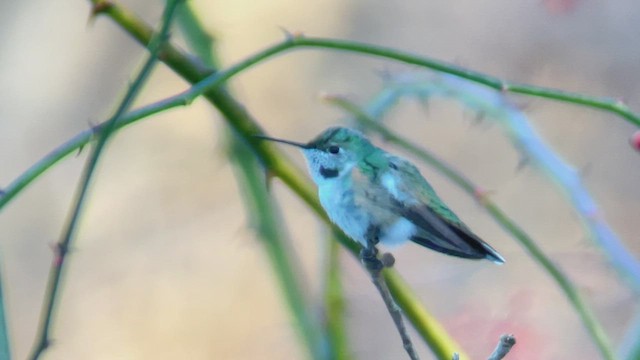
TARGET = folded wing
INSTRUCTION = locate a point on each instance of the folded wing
(440, 229)
(441, 235)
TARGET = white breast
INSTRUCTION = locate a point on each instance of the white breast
(337, 199)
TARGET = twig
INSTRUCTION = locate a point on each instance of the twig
(502, 349)
(374, 266)
(504, 346)
(69, 230)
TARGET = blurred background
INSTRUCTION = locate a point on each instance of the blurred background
(164, 265)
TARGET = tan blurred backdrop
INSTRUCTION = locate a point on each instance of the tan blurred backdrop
(164, 266)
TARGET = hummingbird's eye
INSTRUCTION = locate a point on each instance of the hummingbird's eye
(333, 149)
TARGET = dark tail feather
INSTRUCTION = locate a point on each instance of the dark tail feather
(492, 254)
(474, 250)
(446, 237)
(475, 242)
(436, 244)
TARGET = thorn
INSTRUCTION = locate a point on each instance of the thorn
(46, 343)
(481, 195)
(328, 97)
(268, 178)
(622, 102)
(93, 127)
(95, 130)
(291, 36)
(58, 254)
(98, 8)
(287, 34)
(80, 149)
(504, 87)
(186, 100)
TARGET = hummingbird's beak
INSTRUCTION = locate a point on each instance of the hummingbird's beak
(293, 143)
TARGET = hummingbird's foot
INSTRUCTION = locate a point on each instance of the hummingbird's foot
(369, 258)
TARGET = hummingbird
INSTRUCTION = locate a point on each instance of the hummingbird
(376, 197)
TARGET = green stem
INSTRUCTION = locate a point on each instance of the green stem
(68, 233)
(264, 217)
(334, 304)
(606, 104)
(261, 208)
(593, 326)
(196, 73)
(138, 29)
(196, 37)
(80, 140)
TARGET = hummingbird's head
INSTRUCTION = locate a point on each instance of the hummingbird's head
(333, 153)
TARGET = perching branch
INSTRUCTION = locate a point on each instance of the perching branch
(62, 247)
(369, 258)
